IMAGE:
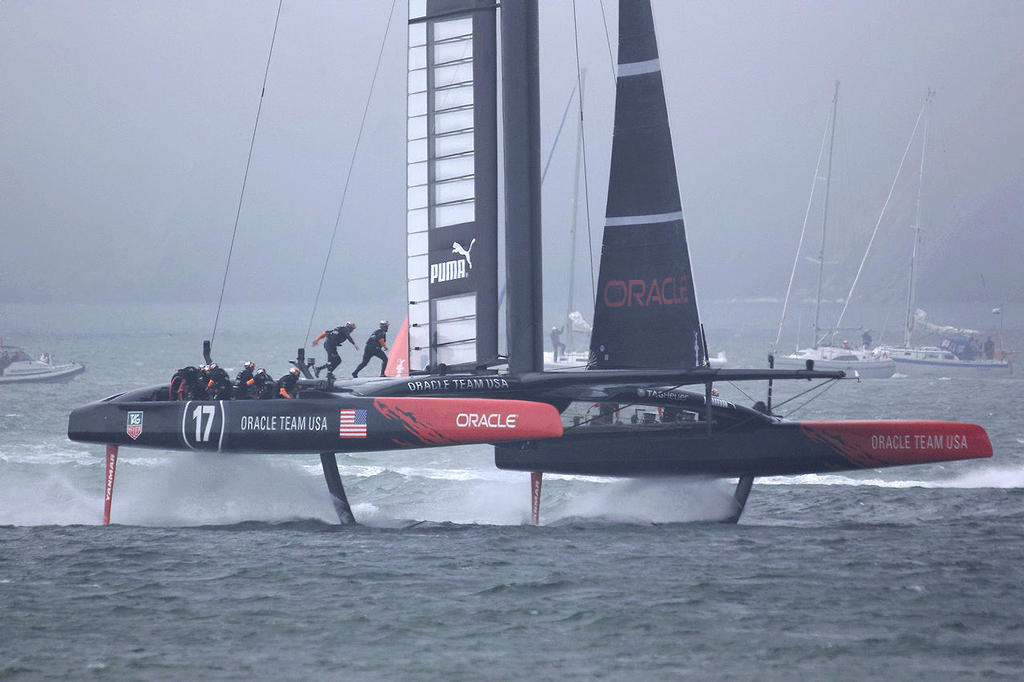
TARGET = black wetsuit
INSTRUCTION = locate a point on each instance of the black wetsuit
(334, 338)
(289, 384)
(374, 348)
(188, 383)
(244, 384)
(556, 343)
(218, 386)
(263, 386)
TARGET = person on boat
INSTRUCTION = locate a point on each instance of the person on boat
(218, 383)
(197, 385)
(245, 381)
(556, 342)
(865, 339)
(263, 385)
(375, 347)
(288, 385)
(990, 348)
(187, 384)
(332, 339)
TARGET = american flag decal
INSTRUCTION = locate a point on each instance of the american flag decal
(353, 424)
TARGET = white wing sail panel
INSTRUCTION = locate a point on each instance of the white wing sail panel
(452, 183)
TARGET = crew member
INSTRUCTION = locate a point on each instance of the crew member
(865, 339)
(375, 347)
(263, 385)
(288, 385)
(332, 339)
(556, 342)
(218, 383)
(245, 381)
(197, 387)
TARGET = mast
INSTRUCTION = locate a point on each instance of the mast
(916, 227)
(520, 59)
(824, 219)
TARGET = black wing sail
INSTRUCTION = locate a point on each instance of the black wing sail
(646, 312)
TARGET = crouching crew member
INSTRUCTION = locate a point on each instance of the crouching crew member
(218, 384)
(245, 381)
(375, 347)
(263, 385)
(288, 385)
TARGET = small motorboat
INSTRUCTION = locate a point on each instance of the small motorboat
(17, 366)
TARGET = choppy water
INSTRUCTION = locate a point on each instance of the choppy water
(232, 567)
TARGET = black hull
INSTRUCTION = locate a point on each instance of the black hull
(759, 449)
(669, 434)
(770, 450)
(325, 423)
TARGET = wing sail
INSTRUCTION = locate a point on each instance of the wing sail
(646, 312)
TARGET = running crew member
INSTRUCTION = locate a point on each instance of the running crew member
(332, 339)
(375, 347)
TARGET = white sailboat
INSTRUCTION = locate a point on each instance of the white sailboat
(959, 351)
(861, 361)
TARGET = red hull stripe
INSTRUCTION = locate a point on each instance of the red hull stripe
(868, 444)
(471, 420)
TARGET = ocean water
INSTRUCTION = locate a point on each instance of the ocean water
(232, 568)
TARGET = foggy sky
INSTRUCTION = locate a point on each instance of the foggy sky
(125, 128)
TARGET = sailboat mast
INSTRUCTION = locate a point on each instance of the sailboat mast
(520, 68)
(824, 218)
(575, 212)
(916, 227)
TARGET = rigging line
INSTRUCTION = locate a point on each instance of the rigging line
(885, 206)
(607, 36)
(822, 387)
(245, 176)
(554, 145)
(803, 233)
(583, 142)
(348, 176)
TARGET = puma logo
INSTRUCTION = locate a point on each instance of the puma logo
(464, 252)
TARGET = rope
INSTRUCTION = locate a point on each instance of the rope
(583, 141)
(245, 177)
(803, 232)
(892, 188)
(348, 177)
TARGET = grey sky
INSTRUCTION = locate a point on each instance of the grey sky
(125, 127)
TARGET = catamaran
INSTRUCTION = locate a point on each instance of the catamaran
(632, 412)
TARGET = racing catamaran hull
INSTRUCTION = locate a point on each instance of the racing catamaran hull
(775, 449)
(311, 425)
